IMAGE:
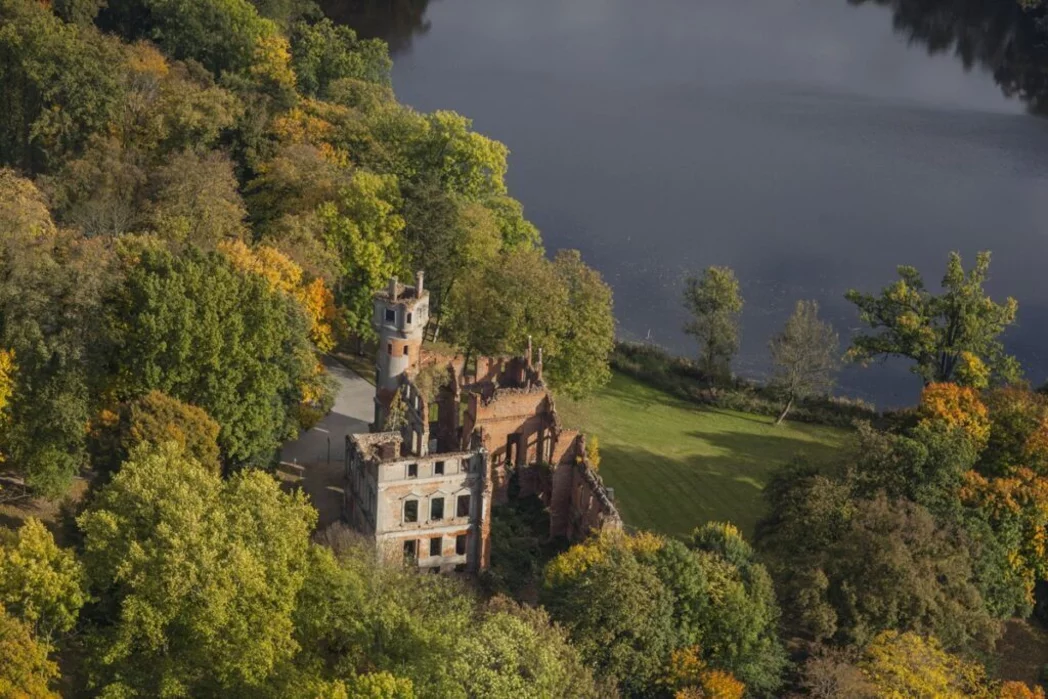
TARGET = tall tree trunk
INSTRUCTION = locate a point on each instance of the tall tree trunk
(789, 405)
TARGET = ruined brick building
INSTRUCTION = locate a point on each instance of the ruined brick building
(460, 432)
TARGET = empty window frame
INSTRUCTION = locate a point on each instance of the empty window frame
(438, 468)
(405, 353)
(434, 546)
(436, 509)
(391, 315)
(412, 470)
(411, 510)
(408, 321)
(462, 509)
(409, 548)
(460, 544)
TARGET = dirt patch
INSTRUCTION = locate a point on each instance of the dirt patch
(51, 512)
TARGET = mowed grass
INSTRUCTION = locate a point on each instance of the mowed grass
(675, 465)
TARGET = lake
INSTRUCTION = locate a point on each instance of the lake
(812, 145)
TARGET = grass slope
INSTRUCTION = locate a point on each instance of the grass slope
(675, 465)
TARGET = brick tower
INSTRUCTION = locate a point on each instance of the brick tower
(400, 317)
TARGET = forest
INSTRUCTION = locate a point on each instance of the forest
(198, 199)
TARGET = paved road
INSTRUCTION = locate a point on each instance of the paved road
(316, 457)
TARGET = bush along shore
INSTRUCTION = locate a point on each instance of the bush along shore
(681, 377)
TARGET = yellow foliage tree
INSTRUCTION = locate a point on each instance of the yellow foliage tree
(1018, 502)
(956, 407)
(25, 671)
(580, 557)
(7, 386)
(272, 63)
(688, 676)
(972, 371)
(909, 666)
(284, 275)
(1019, 690)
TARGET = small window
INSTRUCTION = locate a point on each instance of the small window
(405, 350)
(460, 544)
(436, 509)
(389, 348)
(412, 470)
(438, 468)
(391, 315)
(411, 511)
(409, 549)
(408, 321)
(434, 546)
(463, 506)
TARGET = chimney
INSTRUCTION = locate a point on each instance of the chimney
(392, 288)
(419, 275)
(529, 352)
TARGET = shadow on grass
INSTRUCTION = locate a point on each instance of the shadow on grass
(639, 395)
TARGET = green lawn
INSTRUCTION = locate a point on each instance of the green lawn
(675, 465)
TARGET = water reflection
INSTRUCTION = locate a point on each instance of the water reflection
(396, 21)
(994, 35)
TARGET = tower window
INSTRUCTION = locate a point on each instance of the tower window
(408, 321)
(436, 509)
(405, 350)
(389, 348)
(391, 315)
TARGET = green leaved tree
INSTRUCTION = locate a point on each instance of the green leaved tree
(196, 577)
(941, 333)
(714, 302)
(805, 356)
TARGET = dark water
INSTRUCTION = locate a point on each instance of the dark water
(812, 145)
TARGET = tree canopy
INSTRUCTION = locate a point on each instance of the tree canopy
(945, 334)
(714, 303)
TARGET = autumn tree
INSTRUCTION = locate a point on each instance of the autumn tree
(195, 200)
(714, 303)
(59, 86)
(1018, 431)
(196, 578)
(956, 407)
(199, 330)
(25, 670)
(940, 333)
(804, 355)
(40, 583)
(616, 610)
(155, 418)
(52, 288)
(907, 664)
